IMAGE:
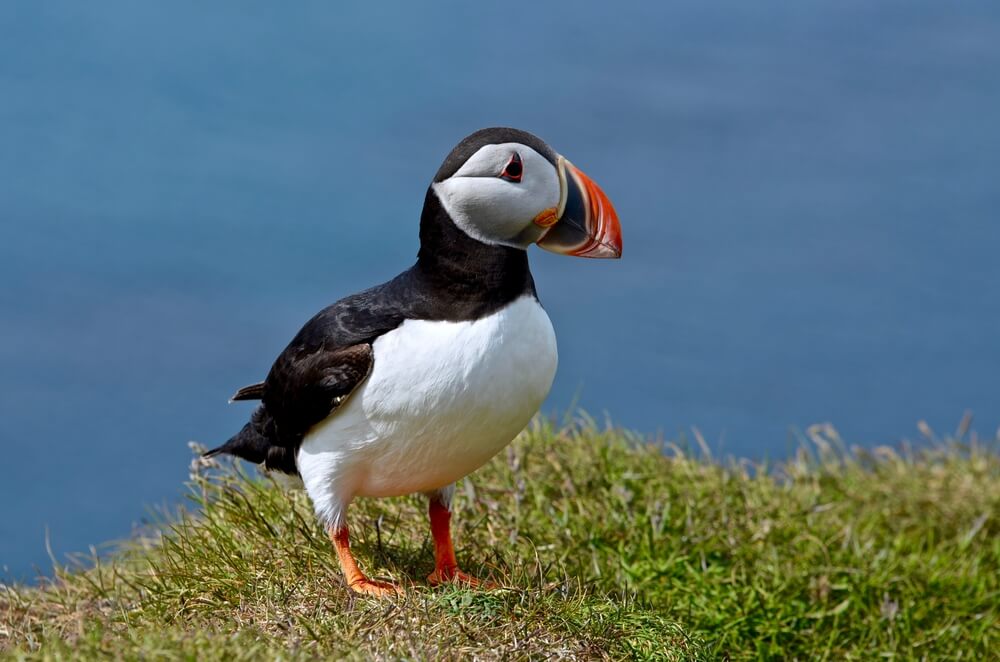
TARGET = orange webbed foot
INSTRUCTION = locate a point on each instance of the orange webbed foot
(445, 565)
(356, 580)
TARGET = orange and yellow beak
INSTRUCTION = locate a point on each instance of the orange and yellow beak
(585, 223)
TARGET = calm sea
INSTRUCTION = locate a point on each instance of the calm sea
(810, 196)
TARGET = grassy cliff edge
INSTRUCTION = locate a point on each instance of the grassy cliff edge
(605, 546)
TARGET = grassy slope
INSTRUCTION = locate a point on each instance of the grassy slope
(608, 546)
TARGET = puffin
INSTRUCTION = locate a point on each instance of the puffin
(413, 384)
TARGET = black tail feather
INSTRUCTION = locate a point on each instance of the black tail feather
(256, 443)
(251, 392)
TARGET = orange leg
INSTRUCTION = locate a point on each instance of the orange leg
(445, 564)
(356, 580)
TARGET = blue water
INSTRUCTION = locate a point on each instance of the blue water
(810, 197)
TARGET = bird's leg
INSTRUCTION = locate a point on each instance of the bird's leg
(356, 579)
(445, 564)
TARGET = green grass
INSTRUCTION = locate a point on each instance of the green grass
(606, 546)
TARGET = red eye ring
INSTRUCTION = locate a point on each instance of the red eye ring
(514, 169)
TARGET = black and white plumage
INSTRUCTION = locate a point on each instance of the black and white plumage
(413, 384)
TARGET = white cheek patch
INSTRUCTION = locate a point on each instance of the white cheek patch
(494, 210)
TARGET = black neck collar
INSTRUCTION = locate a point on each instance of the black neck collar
(465, 270)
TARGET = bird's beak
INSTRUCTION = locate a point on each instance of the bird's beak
(584, 224)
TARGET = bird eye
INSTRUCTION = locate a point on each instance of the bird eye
(512, 172)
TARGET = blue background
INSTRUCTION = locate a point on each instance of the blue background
(809, 194)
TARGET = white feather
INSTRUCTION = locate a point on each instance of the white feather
(493, 210)
(442, 399)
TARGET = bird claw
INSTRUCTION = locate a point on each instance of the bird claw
(374, 588)
(456, 576)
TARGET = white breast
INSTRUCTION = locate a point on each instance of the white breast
(442, 399)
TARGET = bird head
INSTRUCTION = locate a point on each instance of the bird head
(507, 187)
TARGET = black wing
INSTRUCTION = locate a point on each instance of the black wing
(325, 362)
(307, 384)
